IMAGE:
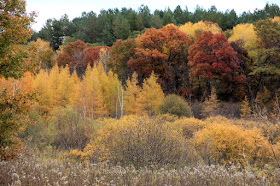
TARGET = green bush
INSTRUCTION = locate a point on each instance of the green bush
(175, 105)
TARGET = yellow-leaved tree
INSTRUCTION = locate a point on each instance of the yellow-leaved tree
(110, 87)
(246, 33)
(91, 94)
(151, 95)
(276, 19)
(56, 88)
(211, 105)
(132, 95)
(64, 87)
(246, 111)
(42, 84)
(195, 29)
(76, 98)
(40, 54)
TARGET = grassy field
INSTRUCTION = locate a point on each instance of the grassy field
(30, 170)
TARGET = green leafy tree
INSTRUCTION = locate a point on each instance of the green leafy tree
(178, 15)
(108, 34)
(175, 105)
(121, 28)
(156, 21)
(268, 59)
(168, 17)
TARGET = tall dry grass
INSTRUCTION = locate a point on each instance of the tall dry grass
(31, 171)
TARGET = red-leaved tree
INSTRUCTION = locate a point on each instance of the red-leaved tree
(78, 56)
(212, 60)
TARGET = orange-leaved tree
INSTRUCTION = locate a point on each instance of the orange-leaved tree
(16, 98)
(14, 104)
(163, 51)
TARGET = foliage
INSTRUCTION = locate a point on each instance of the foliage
(175, 105)
(267, 63)
(41, 55)
(247, 34)
(164, 52)
(222, 142)
(15, 29)
(90, 95)
(246, 65)
(212, 55)
(211, 58)
(139, 141)
(67, 129)
(189, 126)
(246, 109)
(151, 96)
(16, 100)
(132, 95)
(113, 24)
(211, 105)
(78, 56)
(122, 51)
(196, 29)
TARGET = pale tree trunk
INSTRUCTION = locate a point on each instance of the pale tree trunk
(121, 100)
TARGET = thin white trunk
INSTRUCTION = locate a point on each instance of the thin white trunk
(121, 100)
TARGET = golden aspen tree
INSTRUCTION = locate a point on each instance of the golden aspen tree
(54, 84)
(151, 95)
(43, 85)
(92, 99)
(246, 110)
(110, 85)
(246, 33)
(65, 86)
(132, 95)
(276, 19)
(75, 98)
(192, 29)
(211, 105)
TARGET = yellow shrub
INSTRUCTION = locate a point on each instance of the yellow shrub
(140, 141)
(189, 126)
(74, 155)
(222, 142)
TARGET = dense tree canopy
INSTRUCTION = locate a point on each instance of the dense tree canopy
(15, 28)
(113, 24)
(211, 58)
(164, 52)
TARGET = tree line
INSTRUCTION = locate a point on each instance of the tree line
(110, 25)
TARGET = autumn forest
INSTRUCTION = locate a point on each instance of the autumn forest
(134, 97)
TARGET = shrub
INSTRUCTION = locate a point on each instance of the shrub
(175, 105)
(222, 142)
(140, 141)
(67, 129)
(189, 126)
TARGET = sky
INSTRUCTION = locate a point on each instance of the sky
(47, 9)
